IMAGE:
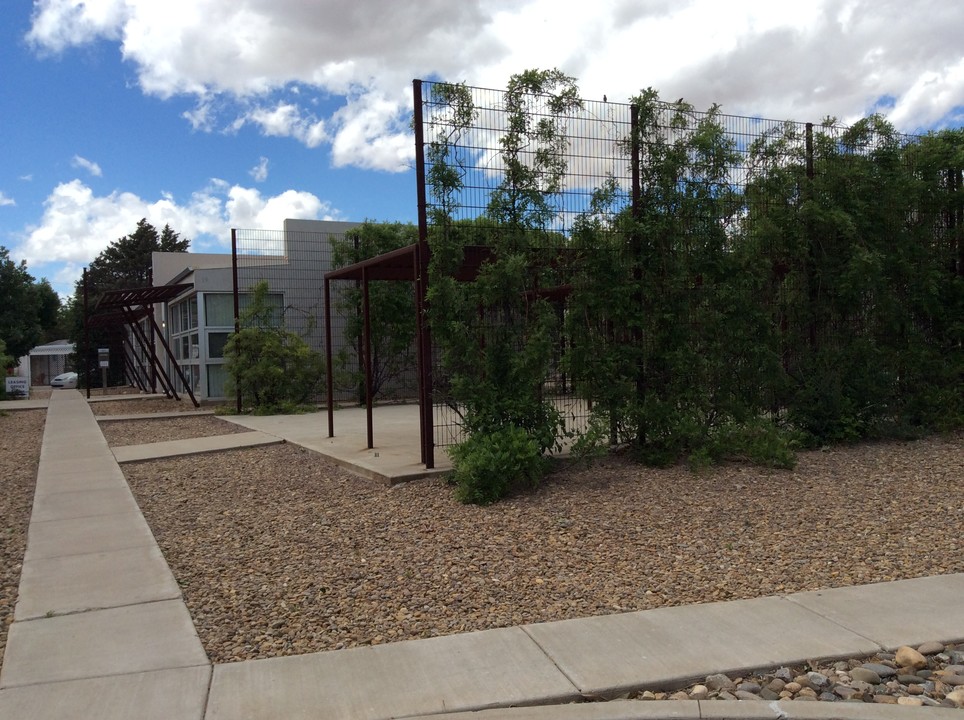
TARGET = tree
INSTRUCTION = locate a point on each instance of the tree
(126, 262)
(28, 309)
(122, 265)
(496, 332)
(391, 313)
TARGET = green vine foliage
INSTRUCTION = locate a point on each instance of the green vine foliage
(496, 333)
(868, 294)
(391, 315)
(274, 368)
(817, 298)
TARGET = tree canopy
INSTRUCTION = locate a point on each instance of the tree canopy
(123, 265)
(29, 309)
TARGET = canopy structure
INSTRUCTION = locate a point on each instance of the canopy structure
(407, 264)
(129, 307)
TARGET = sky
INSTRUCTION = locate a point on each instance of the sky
(213, 114)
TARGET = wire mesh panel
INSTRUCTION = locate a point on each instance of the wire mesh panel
(292, 264)
(735, 267)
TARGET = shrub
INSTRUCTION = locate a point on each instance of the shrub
(274, 368)
(490, 465)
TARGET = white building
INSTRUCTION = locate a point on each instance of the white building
(196, 323)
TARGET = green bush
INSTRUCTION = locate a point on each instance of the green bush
(274, 368)
(487, 466)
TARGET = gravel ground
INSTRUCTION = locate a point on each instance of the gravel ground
(136, 432)
(21, 434)
(280, 552)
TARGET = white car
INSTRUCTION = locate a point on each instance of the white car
(65, 380)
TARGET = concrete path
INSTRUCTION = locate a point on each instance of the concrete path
(600, 658)
(100, 629)
(394, 459)
(173, 448)
(100, 632)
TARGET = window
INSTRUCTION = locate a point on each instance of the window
(216, 341)
(219, 310)
(217, 376)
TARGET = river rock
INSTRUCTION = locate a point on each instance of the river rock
(956, 697)
(883, 671)
(908, 657)
(719, 681)
(817, 681)
(912, 701)
(866, 675)
(699, 692)
(953, 679)
(930, 648)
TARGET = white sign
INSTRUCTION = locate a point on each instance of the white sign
(18, 386)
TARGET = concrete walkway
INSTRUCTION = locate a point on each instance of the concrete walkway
(100, 631)
(394, 459)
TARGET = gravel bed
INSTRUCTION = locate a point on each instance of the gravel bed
(21, 434)
(931, 674)
(137, 432)
(280, 552)
(145, 406)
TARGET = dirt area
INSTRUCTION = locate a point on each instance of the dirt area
(21, 434)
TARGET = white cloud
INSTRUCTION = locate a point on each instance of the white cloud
(260, 171)
(267, 63)
(286, 120)
(77, 224)
(85, 164)
(6, 201)
(59, 24)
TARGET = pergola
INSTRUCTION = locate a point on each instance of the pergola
(407, 264)
(117, 308)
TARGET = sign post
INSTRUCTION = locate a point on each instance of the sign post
(103, 359)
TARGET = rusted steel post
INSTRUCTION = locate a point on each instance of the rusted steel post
(237, 308)
(86, 338)
(424, 338)
(367, 342)
(329, 373)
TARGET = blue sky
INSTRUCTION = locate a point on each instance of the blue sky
(212, 114)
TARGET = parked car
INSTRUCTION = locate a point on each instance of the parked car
(65, 380)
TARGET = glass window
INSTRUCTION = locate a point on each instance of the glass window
(274, 300)
(217, 377)
(216, 341)
(219, 310)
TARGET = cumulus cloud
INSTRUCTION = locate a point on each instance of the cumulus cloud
(85, 164)
(274, 64)
(77, 224)
(260, 171)
(6, 201)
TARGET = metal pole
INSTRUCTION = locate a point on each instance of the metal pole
(330, 384)
(812, 293)
(421, 288)
(237, 310)
(367, 333)
(86, 339)
(637, 250)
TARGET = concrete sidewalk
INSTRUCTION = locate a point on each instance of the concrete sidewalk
(100, 632)
(100, 629)
(394, 459)
(602, 657)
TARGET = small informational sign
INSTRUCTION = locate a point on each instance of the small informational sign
(18, 386)
(103, 357)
